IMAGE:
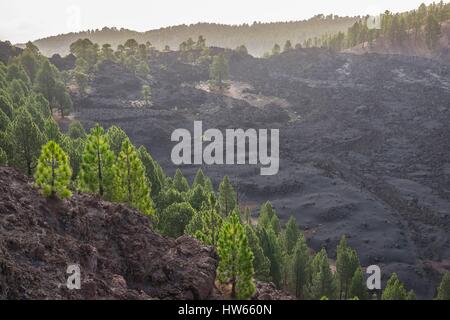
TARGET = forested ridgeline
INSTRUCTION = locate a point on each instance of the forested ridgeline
(423, 25)
(258, 37)
(33, 93)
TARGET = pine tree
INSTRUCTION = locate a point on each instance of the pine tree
(443, 291)
(227, 197)
(174, 219)
(74, 149)
(272, 250)
(261, 264)
(206, 224)
(357, 286)
(147, 95)
(76, 130)
(218, 72)
(291, 234)
(96, 173)
(115, 137)
(199, 179)
(26, 140)
(53, 171)
(346, 264)
(394, 289)
(322, 281)
(432, 31)
(236, 258)
(287, 46)
(275, 224)
(52, 130)
(130, 183)
(266, 213)
(153, 171)
(208, 185)
(179, 181)
(197, 197)
(300, 267)
(46, 81)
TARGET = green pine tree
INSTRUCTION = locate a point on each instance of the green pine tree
(357, 287)
(46, 80)
(25, 140)
(322, 281)
(167, 197)
(261, 264)
(53, 171)
(272, 250)
(275, 224)
(346, 264)
(52, 130)
(130, 182)
(218, 72)
(443, 291)
(236, 258)
(174, 219)
(115, 137)
(76, 130)
(206, 224)
(74, 149)
(227, 197)
(266, 213)
(291, 234)
(199, 179)
(300, 267)
(146, 91)
(394, 289)
(198, 197)
(96, 173)
(153, 171)
(179, 181)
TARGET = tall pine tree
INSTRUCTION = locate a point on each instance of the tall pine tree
(130, 182)
(96, 173)
(322, 281)
(53, 171)
(236, 258)
(227, 197)
(300, 268)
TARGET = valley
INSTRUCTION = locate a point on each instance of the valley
(363, 143)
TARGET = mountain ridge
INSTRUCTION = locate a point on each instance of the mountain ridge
(258, 37)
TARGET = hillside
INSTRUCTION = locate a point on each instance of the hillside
(258, 37)
(118, 254)
(362, 140)
(408, 47)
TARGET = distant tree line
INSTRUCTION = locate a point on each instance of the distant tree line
(424, 24)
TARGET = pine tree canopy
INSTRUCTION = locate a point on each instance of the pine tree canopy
(53, 171)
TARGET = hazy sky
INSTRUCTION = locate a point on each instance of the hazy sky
(29, 20)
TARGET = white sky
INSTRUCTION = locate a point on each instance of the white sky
(30, 20)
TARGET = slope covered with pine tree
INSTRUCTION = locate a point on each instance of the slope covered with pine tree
(257, 37)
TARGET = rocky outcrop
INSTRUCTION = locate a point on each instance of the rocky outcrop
(118, 254)
(268, 291)
(120, 257)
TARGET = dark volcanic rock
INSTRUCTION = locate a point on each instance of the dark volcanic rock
(119, 256)
(268, 291)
